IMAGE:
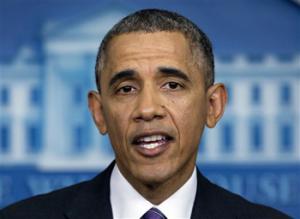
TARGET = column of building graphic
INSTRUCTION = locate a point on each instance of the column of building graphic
(261, 122)
(21, 114)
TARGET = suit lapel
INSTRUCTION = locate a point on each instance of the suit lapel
(93, 199)
(203, 208)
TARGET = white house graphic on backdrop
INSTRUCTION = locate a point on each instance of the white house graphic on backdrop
(44, 118)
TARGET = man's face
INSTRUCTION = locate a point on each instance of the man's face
(153, 104)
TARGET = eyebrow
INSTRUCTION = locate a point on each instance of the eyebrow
(169, 71)
(166, 71)
(128, 73)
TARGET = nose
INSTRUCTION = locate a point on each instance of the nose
(149, 106)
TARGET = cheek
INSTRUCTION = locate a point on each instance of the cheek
(117, 125)
(189, 116)
(190, 111)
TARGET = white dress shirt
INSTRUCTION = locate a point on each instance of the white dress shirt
(127, 203)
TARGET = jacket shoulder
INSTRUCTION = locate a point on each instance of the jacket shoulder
(221, 203)
(54, 205)
(50, 205)
(243, 208)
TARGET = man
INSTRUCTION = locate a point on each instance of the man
(156, 93)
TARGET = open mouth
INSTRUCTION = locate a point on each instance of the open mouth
(152, 144)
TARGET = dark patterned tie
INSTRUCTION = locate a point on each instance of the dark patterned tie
(153, 213)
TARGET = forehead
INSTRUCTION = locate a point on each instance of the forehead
(137, 46)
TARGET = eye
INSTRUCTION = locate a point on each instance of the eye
(126, 89)
(172, 85)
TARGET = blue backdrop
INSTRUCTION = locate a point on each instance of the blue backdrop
(47, 56)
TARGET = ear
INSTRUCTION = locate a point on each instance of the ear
(95, 106)
(216, 101)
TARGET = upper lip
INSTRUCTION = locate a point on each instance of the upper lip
(151, 133)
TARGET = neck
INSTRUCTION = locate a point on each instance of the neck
(158, 191)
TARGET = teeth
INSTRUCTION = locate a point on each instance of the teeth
(147, 139)
(152, 138)
(151, 145)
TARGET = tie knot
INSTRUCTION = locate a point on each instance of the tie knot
(153, 213)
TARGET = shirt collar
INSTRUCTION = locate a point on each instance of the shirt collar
(126, 202)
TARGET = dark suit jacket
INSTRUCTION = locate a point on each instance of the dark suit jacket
(91, 200)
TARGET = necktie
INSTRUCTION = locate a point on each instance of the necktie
(153, 213)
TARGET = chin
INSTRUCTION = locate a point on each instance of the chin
(154, 177)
